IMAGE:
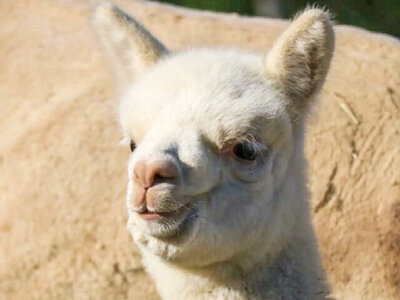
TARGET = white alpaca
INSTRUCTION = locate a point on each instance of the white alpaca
(217, 198)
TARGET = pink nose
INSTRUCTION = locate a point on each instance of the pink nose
(147, 174)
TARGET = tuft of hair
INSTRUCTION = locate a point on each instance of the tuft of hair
(299, 61)
(130, 46)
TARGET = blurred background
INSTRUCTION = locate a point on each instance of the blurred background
(378, 15)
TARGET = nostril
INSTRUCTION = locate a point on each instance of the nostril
(148, 174)
(165, 171)
(139, 173)
(160, 172)
(159, 177)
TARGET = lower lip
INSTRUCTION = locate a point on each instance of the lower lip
(151, 216)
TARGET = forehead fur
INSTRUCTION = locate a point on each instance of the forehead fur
(223, 94)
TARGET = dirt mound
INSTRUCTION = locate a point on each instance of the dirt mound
(62, 173)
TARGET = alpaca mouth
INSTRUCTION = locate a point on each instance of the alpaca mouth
(159, 216)
(169, 225)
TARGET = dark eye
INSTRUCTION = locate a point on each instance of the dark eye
(133, 145)
(245, 151)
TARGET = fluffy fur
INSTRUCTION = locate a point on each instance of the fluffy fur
(245, 232)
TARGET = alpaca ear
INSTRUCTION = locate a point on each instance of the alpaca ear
(131, 47)
(299, 60)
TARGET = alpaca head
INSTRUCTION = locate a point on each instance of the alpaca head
(213, 134)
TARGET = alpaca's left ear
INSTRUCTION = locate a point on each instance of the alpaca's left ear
(299, 61)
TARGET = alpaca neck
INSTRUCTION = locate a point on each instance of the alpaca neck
(294, 274)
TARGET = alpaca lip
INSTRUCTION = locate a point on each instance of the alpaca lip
(156, 216)
(150, 216)
(169, 225)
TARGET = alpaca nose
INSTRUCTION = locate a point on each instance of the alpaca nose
(148, 174)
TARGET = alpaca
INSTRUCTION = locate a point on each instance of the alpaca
(217, 200)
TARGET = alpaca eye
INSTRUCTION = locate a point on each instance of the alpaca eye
(133, 145)
(245, 151)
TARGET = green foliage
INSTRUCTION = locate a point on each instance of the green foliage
(376, 15)
(244, 7)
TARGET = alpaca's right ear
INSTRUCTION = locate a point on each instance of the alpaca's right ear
(131, 47)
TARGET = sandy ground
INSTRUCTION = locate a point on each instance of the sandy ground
(62, 173)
